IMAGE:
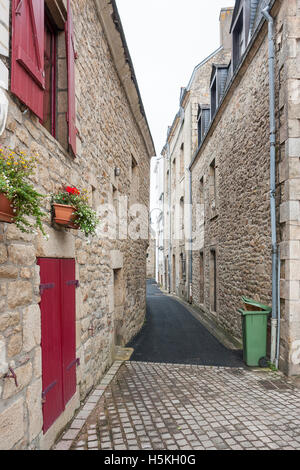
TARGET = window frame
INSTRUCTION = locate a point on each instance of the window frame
(53, 105)
(243, 15)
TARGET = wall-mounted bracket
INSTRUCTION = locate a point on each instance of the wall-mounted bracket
(12, 375)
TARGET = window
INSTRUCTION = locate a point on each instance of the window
(34, 72)
(182, 161)
(115, 196)
(238, 38)
(201, 191)
(201, 200)
(174, 173)
(199, 128)
(203, 119)
(217, 86)
(201, 278)
(181, 219)
(213, 281)
(213, 96)
(167, 186)
(49, 118)
(212, 188)
(134, 192)
(182, 267)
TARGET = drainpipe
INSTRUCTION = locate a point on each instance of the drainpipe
(274, 321)
(278, 312)
(190, 238)
(170, 218)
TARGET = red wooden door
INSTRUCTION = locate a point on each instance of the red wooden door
(68, 328)
(58, 335)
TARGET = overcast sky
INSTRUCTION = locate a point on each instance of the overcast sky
(166, 40)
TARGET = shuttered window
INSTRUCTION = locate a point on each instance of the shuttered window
(49, 120)
(27, 63)
(33, 66)
(58, 336)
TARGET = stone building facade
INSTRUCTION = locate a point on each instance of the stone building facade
(151, 256)
(157, 212)
(231, 180)
(231, 224)
(181, 143)
(112, 154)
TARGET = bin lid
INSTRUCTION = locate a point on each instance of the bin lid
(257, 305)
(253, 312)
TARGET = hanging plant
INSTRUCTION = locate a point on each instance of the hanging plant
(71, 209)
(18, 198)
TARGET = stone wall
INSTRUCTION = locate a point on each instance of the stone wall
(185, 134)
(106, 140)
(288, 89)
(151, 259)
(238, 230)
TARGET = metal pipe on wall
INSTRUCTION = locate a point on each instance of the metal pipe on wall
(274, 321)
(170, 219)
(190, 237)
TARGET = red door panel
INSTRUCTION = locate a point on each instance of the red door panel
(58, 335)
(51, 340)
(68, 328)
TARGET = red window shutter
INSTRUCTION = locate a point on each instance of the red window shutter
(50, 305)
(68, 321)
(71, 55)
(27, 62)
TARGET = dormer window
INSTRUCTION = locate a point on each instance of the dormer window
(217, 86)
(244, 10)
(203, 119)
(238, 41)
(213, 95)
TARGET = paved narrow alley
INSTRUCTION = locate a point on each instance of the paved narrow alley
(171, 334)
(152, 404)
(187, 407)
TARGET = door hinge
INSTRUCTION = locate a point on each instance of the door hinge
(46, 286)
(76, 361)
(47, 390)
(73, 283)
(19, 8)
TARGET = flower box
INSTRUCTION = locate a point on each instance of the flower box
(64, 215)
(71, 209)
(7, 212)
(20, 203)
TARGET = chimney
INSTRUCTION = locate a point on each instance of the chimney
(225, 23)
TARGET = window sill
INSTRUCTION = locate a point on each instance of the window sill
(52, 139)
(213, 214)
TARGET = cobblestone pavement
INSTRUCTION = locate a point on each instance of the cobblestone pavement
(187, 407)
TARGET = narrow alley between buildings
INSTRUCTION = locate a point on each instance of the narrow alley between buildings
(207, 400)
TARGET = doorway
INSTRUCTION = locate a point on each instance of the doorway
(58, 337)
(119, 298)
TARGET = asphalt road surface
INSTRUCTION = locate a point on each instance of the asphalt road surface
(172, 335)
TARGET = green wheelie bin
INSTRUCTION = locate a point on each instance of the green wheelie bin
(254, 322)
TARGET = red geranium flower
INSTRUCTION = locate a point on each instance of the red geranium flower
(72, 190)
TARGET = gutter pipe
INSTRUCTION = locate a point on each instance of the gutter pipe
(170, 219)
(275, 293)
(190, 238)
(278, 313)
